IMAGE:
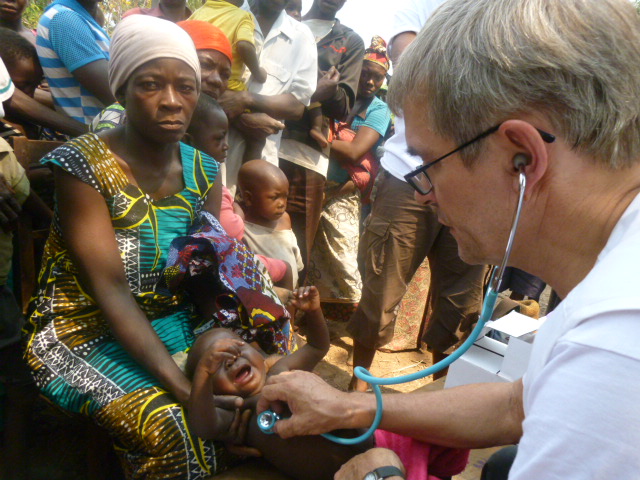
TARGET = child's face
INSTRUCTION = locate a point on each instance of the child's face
(243, 376)
(294, 9)
(26, 75)
(211, 136)
(269, 201)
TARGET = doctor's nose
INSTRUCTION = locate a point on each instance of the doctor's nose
(428, 199)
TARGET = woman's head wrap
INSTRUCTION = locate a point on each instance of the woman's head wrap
(377, 52)
(138, 39)
(207, 37)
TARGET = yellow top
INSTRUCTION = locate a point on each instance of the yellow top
(237, 25)
(15, 176)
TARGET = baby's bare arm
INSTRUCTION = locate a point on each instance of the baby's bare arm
(307, 357)
(204, 418)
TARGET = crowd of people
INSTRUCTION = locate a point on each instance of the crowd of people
(229, 173)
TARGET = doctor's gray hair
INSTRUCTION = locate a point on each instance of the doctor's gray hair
(479, 62)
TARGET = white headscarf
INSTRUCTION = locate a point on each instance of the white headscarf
(138, 39)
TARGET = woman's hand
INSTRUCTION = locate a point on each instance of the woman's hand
(237, 435)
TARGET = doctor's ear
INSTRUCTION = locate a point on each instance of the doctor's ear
(520, 161)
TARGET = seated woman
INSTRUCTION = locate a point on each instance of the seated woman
(101, 338)
(333, 267)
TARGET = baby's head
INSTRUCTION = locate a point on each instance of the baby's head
(243, 376)
(294, 9)
(208, 128)
(264, 189)
(21, 60)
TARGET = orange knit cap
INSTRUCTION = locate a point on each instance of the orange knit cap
(206, 36)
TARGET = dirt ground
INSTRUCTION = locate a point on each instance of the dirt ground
(336, 367)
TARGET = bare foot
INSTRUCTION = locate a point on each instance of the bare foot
(357, 385)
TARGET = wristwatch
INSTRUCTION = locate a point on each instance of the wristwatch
(384, 472)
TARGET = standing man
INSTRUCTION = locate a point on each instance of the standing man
(287, 52)
(74, 53)
(172, 10)
(399, 234)
(492, 92)
(340, 52)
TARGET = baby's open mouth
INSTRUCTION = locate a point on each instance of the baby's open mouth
(243, 374)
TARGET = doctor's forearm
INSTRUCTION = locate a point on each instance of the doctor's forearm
(471, 416)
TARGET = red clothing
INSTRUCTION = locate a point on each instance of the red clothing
(423, 461)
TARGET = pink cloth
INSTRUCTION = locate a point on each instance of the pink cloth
(423, 461)
(233, 224)
(364, 173)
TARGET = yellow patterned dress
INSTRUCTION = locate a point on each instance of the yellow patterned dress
(76, 361)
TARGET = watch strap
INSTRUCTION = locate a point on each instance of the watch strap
(388, 471)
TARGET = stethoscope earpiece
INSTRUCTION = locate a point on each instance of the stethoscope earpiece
(520, 161)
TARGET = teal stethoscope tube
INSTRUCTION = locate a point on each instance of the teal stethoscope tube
(488, 305)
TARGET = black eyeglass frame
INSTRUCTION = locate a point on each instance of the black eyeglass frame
(409, 177)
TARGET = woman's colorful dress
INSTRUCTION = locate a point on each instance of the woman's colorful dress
(76, 361)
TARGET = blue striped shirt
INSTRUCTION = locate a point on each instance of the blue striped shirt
(69, 38)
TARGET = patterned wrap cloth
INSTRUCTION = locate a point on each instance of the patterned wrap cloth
(246, 301)
(377, 52)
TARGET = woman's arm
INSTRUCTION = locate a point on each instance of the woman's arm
(90, 239)
(353, 151)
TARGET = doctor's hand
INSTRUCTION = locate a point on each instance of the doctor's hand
(315, 406)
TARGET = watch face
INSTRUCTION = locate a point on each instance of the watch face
(370, 476)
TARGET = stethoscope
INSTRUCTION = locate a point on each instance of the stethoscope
(268, 418)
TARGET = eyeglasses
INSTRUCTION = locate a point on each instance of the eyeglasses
(419, 178)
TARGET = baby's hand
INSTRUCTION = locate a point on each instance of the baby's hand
(224, 350)
(306, 299)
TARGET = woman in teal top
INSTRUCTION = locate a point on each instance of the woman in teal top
(101, 339)
(333, 266)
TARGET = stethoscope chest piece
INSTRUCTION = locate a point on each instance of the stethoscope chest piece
(267, 420)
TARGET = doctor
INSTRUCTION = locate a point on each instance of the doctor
(550, 88)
